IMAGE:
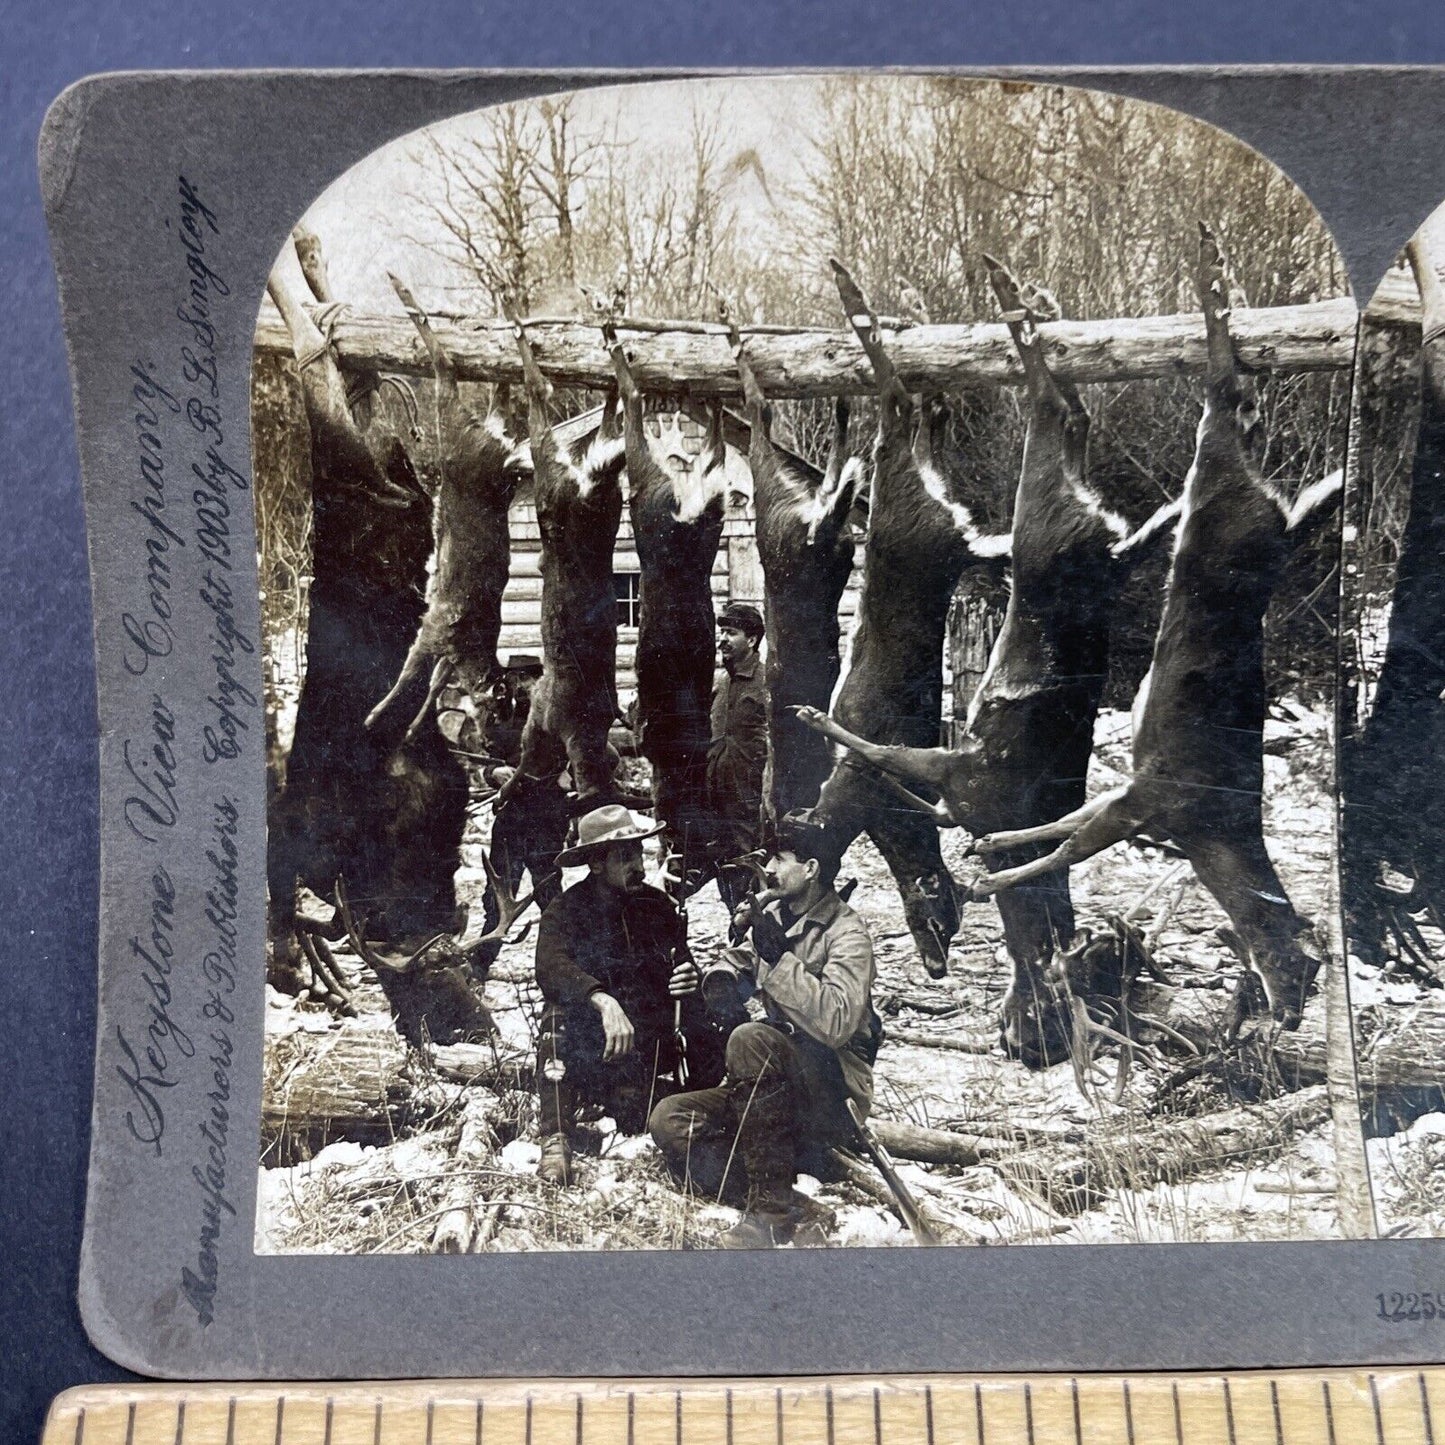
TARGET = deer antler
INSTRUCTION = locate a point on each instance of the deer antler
(509, 907)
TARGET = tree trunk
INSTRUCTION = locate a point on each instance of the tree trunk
(681, 356)
(973, 628)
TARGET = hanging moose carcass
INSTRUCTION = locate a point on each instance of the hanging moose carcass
(1199, 716)
(1028, 735)
(370, 806)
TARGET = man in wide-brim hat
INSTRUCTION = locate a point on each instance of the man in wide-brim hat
(613, 965)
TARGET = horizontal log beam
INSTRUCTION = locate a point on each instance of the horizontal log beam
(1319, 336)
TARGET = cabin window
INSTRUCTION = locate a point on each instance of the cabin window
(628, 587)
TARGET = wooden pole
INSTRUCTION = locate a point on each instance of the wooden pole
(693, 357)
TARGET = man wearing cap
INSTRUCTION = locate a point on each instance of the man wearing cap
(738, 753)
(619, 984)
(792, 1076)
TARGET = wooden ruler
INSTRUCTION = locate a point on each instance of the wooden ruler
(1310, 1407)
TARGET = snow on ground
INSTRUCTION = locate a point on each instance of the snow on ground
(623, 1199)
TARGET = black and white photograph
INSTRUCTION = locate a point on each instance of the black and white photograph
(1393, 711)
(800, 620)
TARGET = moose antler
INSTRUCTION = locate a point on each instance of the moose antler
(377, 962)
(324, 968)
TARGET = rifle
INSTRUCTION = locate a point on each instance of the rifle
(681, 1074)
(908, 1210)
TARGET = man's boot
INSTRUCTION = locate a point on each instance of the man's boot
(556, 1107)
(768, 1221)
(766, 1148)
(555, 1165)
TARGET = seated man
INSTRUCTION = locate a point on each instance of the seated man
(789, 1078)
(619, 983)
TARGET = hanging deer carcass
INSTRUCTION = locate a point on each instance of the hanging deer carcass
(481, 466)
(919, 541)
(1394, 788)
(805, 545)
(363, 804)
(1199, 716)
(677, 522)
(1028, 735)
(579, 509)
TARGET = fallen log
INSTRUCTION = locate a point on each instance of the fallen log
(457, 1227)
(926, 1039)
(1079, 1177)
(358, 1084)
(482, 1064)
(695, 358)
(342, 1084)
(1399, 1048)
(935, 1146)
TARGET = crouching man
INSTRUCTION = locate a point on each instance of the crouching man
(619, 985)
(784, 1100)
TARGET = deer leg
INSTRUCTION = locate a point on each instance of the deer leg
(1021, 321)
(1106, 826)
(410, 671)
(759, 413)
(864, 321)
(837, 447)
(1314, 503)
(360, 386)
(440, 673)
(1158, 526)
(929, 411)
(931, 766)
(1221, 374)
(1235, 867)
(1046, 832)
(324, 389)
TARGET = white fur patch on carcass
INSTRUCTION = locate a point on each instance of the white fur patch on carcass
(934, 485)
(601, 456)
(695, 490)
(1089, 500)
(850, 476)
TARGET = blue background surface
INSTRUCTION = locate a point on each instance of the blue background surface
(48, 847)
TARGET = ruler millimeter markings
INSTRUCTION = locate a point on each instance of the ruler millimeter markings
(1274, 1407)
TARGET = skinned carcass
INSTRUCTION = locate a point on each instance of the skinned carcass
(677, 523)
(805, 545)
(366, 805)
(919, 541)
(1029, 733)
(481, 466)
(1199, 716)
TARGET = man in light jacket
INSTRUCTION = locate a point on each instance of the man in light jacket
(790, 1077)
